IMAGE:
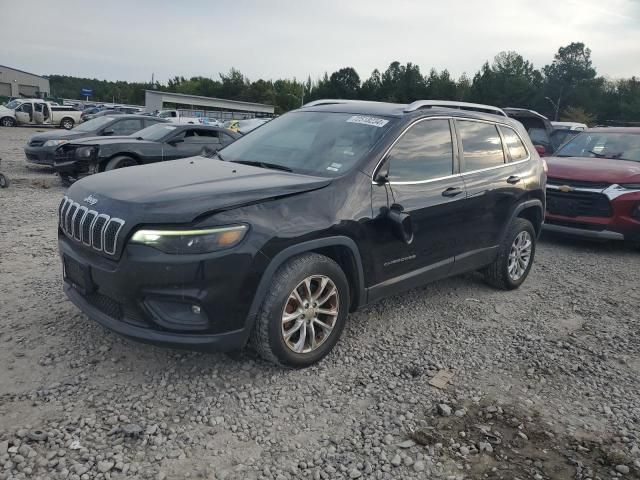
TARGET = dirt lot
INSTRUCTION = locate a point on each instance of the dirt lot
(545, 379)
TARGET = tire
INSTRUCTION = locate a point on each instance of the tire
(7, 122)
(4, 181)
(120, 162)
(67, 123)
(268, 335)
(498, 273)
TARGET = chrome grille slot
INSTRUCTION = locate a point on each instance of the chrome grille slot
(96, 230)
(86, 226)
(98, 227)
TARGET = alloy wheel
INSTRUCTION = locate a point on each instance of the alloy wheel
(310, 314)
(520, 255)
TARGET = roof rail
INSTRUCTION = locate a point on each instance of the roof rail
(478, 107)
(329, 101)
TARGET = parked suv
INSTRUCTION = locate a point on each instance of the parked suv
(311, 216)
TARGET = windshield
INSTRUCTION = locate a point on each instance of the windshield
(155, 132)
(317, 143)
(619, 146)
(13, 104)
(93, 124)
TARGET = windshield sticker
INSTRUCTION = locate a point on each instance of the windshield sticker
(365, 120)
(334, 167)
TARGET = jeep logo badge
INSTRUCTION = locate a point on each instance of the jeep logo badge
(91, 200)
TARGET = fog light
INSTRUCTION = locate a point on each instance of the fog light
(176, 314)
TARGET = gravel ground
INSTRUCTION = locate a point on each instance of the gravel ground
(545, 379)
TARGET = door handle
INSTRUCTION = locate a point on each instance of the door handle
(513, 179)
(452, 192)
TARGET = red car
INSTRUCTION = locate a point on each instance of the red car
(593, 185)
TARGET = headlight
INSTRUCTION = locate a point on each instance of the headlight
(631, 186)
(85, 152)
(55, 143)
(191, 241)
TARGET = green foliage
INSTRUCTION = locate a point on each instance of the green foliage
(577, 114)
(570, 81)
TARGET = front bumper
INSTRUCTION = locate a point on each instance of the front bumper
(40, 155)
(221, 342)
(614, 216)
(138, 295)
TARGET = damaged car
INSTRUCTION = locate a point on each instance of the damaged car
(319, 212)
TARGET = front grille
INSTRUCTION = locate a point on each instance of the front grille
(36, 143)
(578, 183)
(96, 230)
(65, 153)
(578, 204)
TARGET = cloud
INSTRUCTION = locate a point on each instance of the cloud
(120, 40)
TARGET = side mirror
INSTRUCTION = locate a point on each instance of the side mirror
(108, 132)
(175, 141)
(382, 176)
(401, 223)
(541, 150)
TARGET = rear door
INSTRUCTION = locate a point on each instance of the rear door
(493, 186)
(423, 181)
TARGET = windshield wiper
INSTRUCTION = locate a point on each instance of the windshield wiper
(598, 155)
(273, 166)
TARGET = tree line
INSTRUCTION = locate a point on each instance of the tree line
(569, 88)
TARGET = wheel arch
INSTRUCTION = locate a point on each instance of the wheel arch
(532, 210)
(104, 161)
(343, 250)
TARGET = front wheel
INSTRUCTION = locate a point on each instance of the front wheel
(304, 312)
(67, 123)
(515, 256)
(7, 122)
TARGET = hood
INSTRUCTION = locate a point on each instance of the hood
(60, 135)
(179, 191)
(594, 169)
(5, 109)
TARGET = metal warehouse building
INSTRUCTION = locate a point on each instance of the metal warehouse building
(16, 83)
(225, 109)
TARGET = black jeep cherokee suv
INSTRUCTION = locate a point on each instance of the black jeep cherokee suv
(316, 213)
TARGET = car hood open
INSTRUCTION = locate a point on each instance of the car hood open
(594, 169)
(179, 191)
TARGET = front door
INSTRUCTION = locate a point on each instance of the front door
(423, 182)
(191, 142)
(24, 114)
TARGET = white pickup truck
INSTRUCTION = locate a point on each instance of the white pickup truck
(38, 112)
(175, 116)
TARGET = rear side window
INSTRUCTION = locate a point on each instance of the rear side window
(424, 152)
(126, 127)
(481, 144)
(514, 144)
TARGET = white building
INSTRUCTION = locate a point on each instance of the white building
(16, 83)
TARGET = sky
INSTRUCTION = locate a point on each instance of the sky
(131, 40)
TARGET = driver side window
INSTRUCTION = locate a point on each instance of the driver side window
(424, 152)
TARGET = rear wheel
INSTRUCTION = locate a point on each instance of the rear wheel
(7, 122)
(67, 123)
(515, 257)
(120, 162)
(303, 314)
